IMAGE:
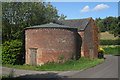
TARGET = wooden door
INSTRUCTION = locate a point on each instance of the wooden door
(33, 56)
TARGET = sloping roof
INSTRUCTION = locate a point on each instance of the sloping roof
(80, 24)
(52, 25)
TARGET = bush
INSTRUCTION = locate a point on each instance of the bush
(112, 50)
(11, 52)
(100, 53)
(110, 42)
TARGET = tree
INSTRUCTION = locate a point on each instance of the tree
(62, 17)
(115, 29)
(101, 25)
(108, 21)
(108, 24)
(97, 20)
(18, 15)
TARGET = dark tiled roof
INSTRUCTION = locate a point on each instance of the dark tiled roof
(52, 25)
(77, 23)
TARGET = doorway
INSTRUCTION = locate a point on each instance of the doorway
(33, 56)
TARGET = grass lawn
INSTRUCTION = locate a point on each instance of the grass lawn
(5, 76)
(111, 49)
(82, 63)
(107, 36)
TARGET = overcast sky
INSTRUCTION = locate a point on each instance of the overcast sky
(78, 10)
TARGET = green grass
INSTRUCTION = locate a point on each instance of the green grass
(111, 50)
(82, 63)
(5, 76)
(105, 46)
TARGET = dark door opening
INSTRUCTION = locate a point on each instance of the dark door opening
(33, 56)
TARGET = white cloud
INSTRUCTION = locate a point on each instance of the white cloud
(85, 9)
(101, 7)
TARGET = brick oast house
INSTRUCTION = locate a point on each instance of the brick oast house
(89, 32)
(49, 42)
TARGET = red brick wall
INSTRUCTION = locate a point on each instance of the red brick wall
(51, 44)
(88, 41)
(95, 30)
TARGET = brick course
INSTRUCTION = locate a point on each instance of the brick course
(51, 44)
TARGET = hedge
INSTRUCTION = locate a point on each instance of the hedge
(11, 52)
(110, 42)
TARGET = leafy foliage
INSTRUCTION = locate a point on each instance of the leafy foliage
(110, 42)
(101, 53)
(62, 17)
(15, 17)
(110, 24)
(11, 52)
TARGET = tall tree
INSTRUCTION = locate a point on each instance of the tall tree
(115, 28)
(107, 24)
(101, 25)
(18, 15)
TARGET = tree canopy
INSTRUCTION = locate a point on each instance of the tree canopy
(18, 15)
(110, 24)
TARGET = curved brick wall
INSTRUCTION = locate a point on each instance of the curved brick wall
(51, 44)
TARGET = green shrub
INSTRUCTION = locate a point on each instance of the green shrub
(26, 65)
(100, 52)
(70, 61)
(112, 50)
(72, 56)
(110, 42)
(11, 52)
(61, 57)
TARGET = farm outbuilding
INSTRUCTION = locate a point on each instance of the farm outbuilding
(51, 42)
(89, 32)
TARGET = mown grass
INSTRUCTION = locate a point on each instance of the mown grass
(111, 50)
(107, 36)
(105, 46)
(82, 63)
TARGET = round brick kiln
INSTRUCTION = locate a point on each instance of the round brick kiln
(50, 42)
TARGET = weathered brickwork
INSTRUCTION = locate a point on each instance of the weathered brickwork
(90, 40)
(96, 38)
(51, 44)
(89, 32)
